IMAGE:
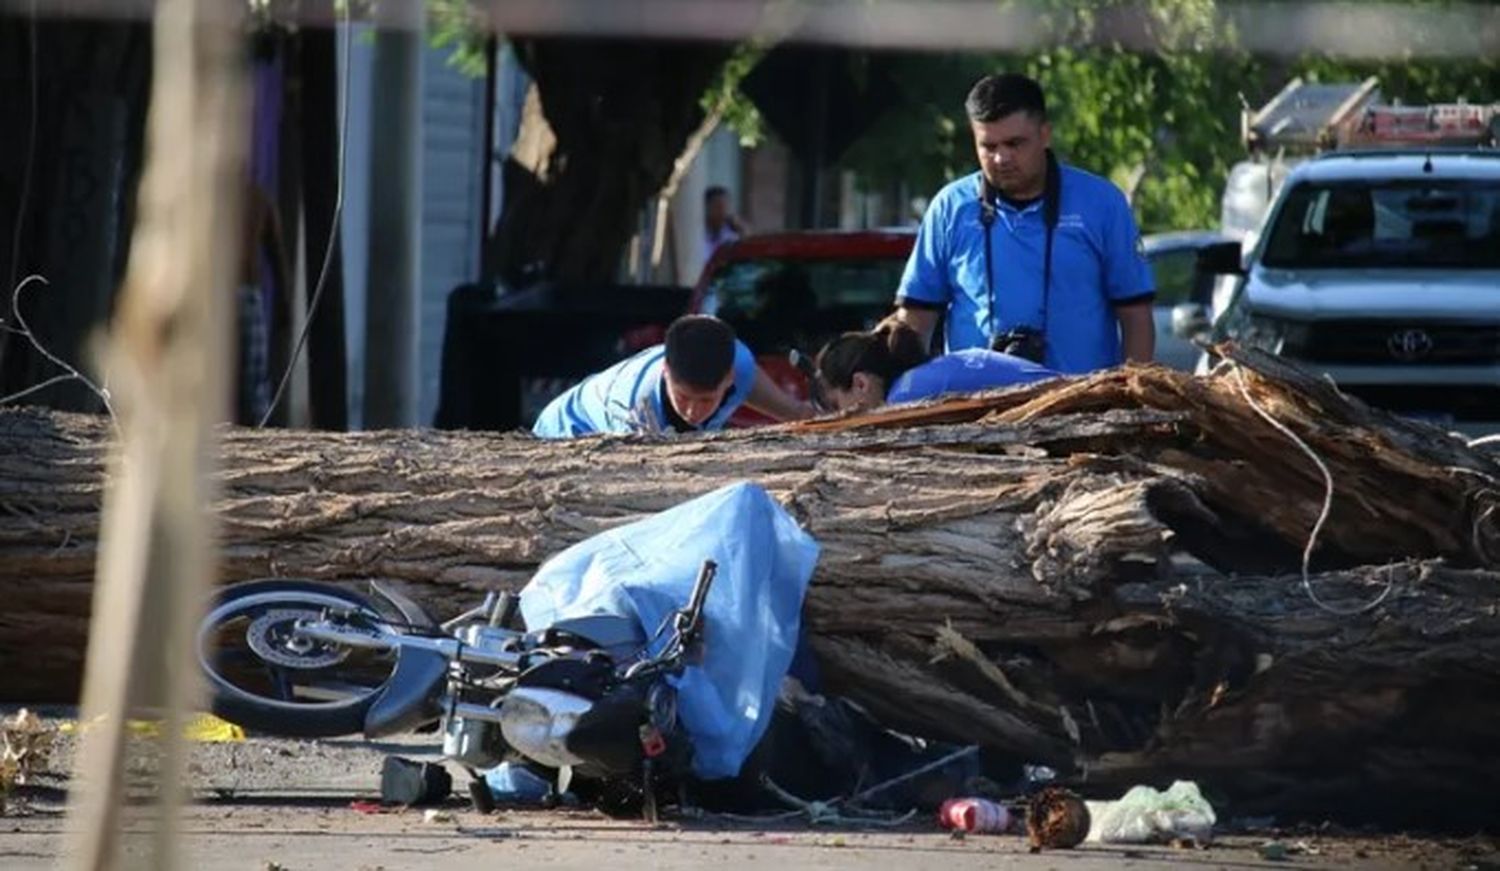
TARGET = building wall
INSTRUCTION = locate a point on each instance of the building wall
(718, 163)
(452, 171)
(452, 146)
(764, 202)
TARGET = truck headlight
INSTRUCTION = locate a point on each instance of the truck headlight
(1275, 335)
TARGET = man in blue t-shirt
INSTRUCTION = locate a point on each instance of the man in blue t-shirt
(693, 382)
(1029, 255)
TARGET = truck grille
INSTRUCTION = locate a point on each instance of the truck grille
(1405, 343)
(1462, 403)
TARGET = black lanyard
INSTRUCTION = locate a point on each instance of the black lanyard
(1051, 204)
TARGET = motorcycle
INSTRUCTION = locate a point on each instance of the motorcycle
(590, 697)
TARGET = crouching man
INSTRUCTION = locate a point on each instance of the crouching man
(693, 382)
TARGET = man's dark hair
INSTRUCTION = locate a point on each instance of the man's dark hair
(717, 190)
(995, 97)
(700, 351)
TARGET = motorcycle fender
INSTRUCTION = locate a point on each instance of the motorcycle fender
(410, 611)
(410, 697)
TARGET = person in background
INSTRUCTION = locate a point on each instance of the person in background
(1029, 255)
(692, 382)
(720, 225)
(861, 371)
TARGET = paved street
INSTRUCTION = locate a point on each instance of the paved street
(287, 802)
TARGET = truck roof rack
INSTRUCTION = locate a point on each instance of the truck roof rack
(1440, 125)
(1307, 116)
(1311, 117)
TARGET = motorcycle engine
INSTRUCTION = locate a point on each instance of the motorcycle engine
(477, 744)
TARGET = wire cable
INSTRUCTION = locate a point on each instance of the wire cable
(1312, 539)
(333, 224)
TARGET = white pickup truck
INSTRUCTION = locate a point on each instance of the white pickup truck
(1382, 269)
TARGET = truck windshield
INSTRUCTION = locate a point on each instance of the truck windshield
(774, 304)
(1396, 224)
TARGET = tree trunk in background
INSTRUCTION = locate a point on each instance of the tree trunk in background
(1008, 569)
(327, 375)
(614, 116)
(91, 82)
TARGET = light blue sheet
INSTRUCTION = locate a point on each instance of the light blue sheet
(753, 612)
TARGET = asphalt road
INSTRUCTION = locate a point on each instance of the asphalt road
(279, 804)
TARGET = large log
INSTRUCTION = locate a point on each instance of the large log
(1091, 574)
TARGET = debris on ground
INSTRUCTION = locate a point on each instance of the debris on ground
(25, 746)
(208, 729)
(1145, 816)
(410, 783)
(435, 816)
(202, 728)
(974, 815)
(1056, 819)
(514, 783)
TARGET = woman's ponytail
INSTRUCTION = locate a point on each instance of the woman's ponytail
(904, 348)
(886, 353)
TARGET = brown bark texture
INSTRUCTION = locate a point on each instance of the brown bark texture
(1100, 574)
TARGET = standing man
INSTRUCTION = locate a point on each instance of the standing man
(1029, 256)
(693, 382)
(719, 222)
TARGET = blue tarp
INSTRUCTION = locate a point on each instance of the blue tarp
(752, 615)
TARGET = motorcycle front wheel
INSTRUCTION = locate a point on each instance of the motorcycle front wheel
(264, 676)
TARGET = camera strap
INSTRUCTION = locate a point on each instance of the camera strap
(1051, 206)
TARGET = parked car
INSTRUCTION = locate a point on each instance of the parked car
(1382, 269)
(798, 290)
(1182, 290)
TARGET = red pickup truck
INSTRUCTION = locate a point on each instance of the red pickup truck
(798, 290)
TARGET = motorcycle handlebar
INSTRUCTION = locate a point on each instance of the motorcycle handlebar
(700, 590)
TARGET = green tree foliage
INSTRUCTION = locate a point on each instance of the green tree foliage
(1164, 124)
(1170, 117)
(455, 25)
(723, 97)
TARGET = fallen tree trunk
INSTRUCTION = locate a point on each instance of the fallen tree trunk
(1005, 569)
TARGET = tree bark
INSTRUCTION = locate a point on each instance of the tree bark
(613, 117)
(1098, 573)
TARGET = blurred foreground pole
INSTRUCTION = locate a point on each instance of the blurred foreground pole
(166, 362)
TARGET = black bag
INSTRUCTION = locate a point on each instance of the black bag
(405, 782)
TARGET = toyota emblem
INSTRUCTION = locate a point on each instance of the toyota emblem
(1409, 344)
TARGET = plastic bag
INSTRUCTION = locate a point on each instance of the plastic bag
(752, 616)
(1144, 815)
(513, 783)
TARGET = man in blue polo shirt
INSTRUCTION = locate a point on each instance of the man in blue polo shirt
(1028, 255)
(693, 382)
